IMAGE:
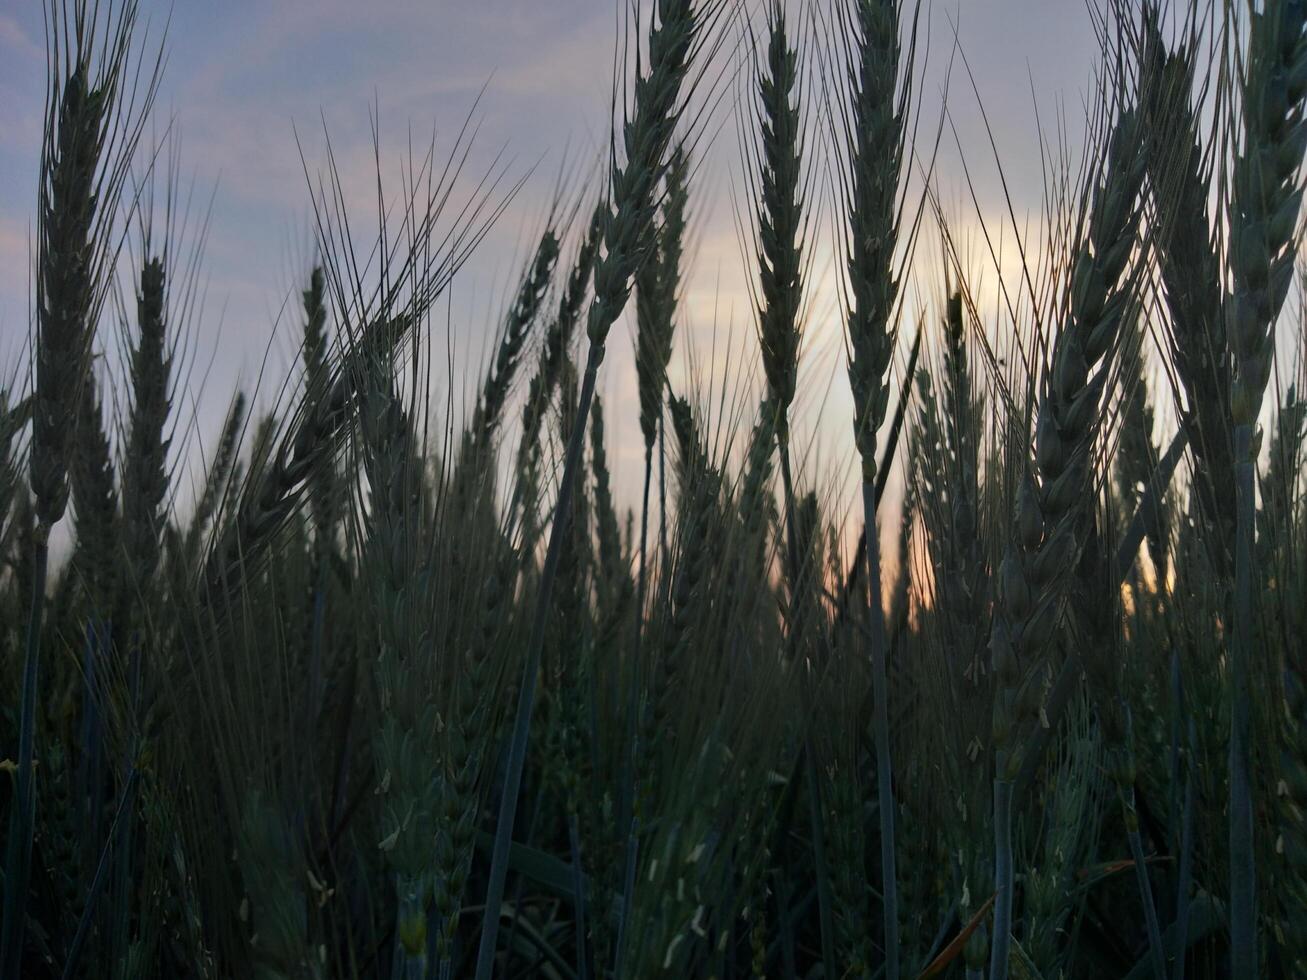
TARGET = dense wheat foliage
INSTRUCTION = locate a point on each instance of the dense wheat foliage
(390, 696)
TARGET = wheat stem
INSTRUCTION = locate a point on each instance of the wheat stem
(22, 818)
(1243, 857)
(516, 761)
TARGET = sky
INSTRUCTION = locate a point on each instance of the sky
(251, 91)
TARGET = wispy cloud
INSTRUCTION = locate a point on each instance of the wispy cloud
(15, 42)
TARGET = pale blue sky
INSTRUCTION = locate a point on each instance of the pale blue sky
(243, 77)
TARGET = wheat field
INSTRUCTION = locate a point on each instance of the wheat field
(399, 689)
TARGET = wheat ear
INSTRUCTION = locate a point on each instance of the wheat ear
(1180, 181)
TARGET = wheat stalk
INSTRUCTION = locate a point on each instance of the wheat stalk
(406, 747)
(627, 233)
(90, 134)
(1033, 576)
(874, 130)
(1264, 206)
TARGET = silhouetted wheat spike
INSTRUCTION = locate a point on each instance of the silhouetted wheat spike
(754, 497)
(66, 289)
(557, 341)
(1137, 456)
(324, 490)
(780, 221)
(965, 411)
(280, 468)
(394, 472)
(949, 434)
(216, 477)
(13, 418)
(517, 326)
(616, 577)
(1180, 178)
(1265, 200)
(95, 504)
(1050, 515)
(657, 284)
(1279, 516)
(145, 477)
(540, 391)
